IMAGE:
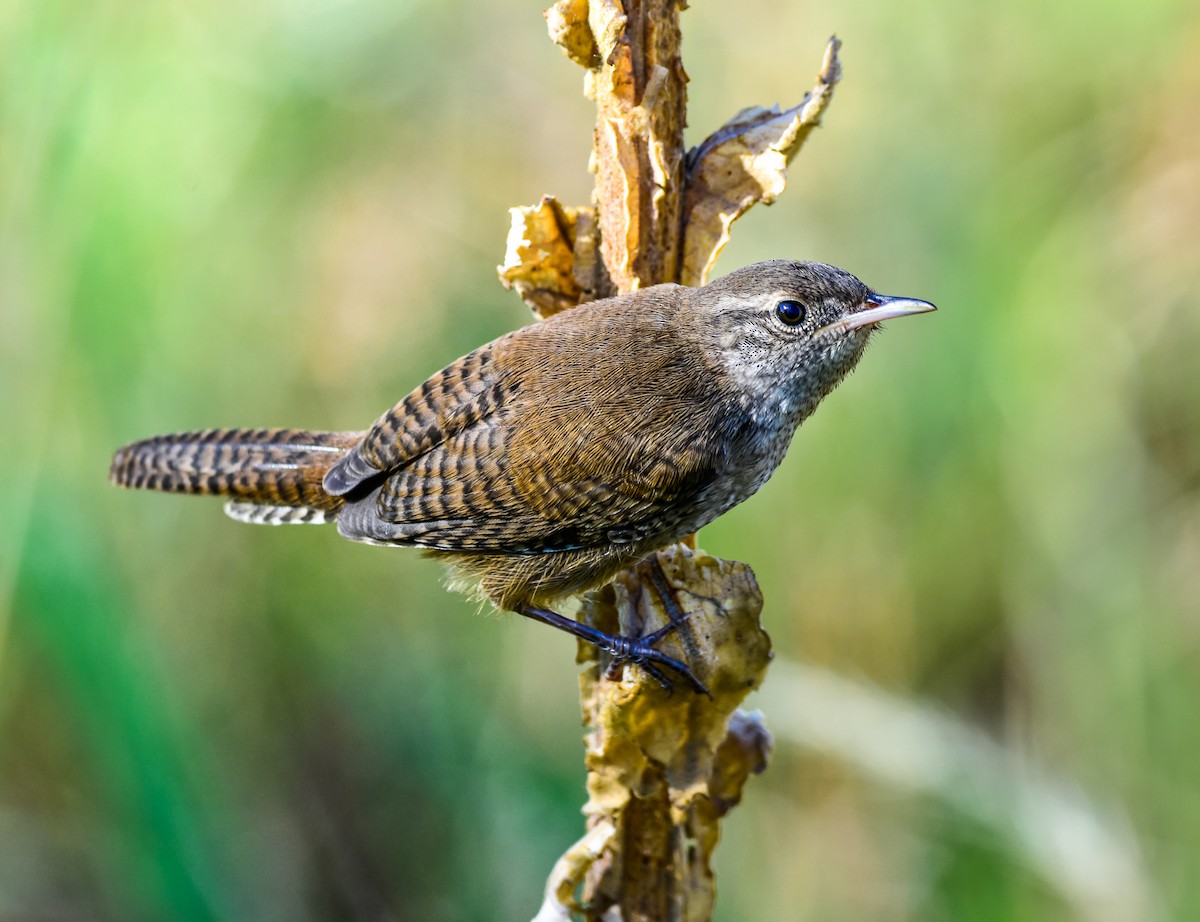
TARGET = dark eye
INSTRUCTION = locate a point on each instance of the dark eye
(790, 312)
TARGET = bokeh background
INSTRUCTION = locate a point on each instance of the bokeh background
(981, 559)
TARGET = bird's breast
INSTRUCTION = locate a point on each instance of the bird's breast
(750, 461)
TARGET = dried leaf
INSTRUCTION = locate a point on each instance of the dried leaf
(567, 21)
(661, 765)
(723, 602)
(539, 261)
(569, 872)
(744, 162)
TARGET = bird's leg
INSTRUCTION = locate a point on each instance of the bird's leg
(670, 601)
(666, 592)
(636, 650)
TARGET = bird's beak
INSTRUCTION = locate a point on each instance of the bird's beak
(878, 308)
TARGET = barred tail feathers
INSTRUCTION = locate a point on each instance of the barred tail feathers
(272, 476)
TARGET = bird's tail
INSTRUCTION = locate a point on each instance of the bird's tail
(271, 476)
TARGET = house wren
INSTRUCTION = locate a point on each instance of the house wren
(547, 460)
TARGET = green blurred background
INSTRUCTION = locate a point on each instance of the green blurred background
(983, 553)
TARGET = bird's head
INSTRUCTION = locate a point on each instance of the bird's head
(787, 332)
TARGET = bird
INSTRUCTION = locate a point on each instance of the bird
(544, 462)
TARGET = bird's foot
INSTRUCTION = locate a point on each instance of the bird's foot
(638, 651)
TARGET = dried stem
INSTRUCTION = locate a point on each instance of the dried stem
(662, 768)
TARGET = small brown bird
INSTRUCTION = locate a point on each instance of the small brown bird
(544, 462)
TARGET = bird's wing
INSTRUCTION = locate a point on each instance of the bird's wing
(564, 441)
(527, 487)
(455, 399)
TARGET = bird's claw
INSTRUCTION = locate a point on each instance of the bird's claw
(639, 651)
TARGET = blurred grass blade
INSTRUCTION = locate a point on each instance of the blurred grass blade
(1089, 857)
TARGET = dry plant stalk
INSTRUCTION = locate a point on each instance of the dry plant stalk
(662, 768)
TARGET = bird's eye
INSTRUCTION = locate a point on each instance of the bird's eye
(790, 312)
